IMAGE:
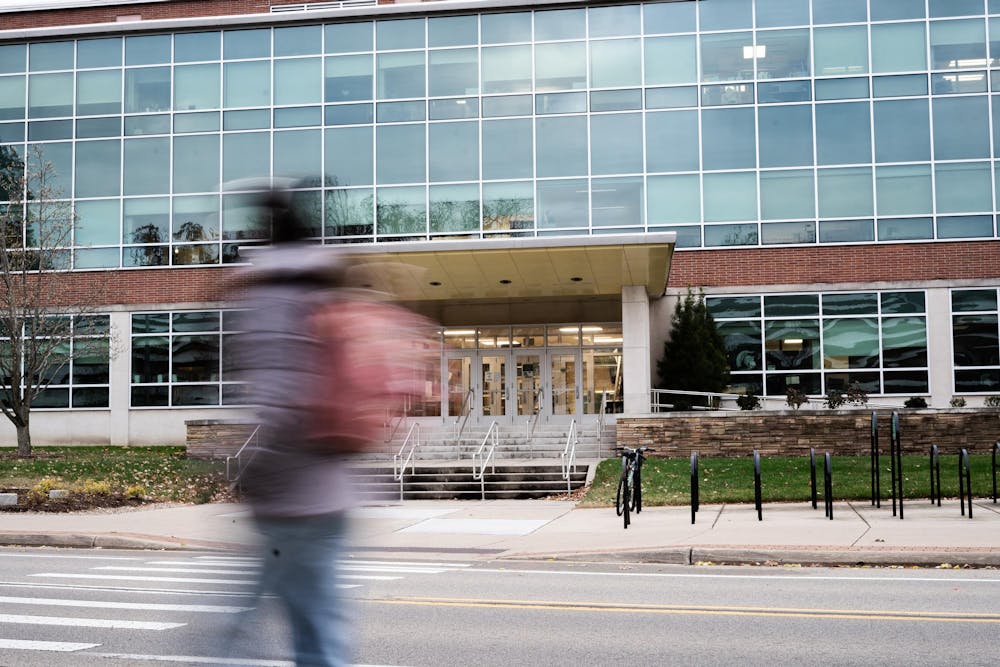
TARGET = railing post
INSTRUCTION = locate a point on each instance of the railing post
(812, 475)
(964, 481)
(694, 485)
(828, 485)
(876, 474)
(996, 448)
(896, 457)
(756, 486)
(935, 474)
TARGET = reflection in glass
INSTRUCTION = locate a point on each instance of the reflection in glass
(616, 202)
(454, 208)
(561, 66)
(400, 75)
(562, 204)
(727, 57)
(507, 149)
(506, 69)
(98, 92)
(350, 212)
(401, 211)
(453, 72)
(508, 206)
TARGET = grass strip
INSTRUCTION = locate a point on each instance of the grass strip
(730, 480)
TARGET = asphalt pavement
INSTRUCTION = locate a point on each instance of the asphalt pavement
(858, 533)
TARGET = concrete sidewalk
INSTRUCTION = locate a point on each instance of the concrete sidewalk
(553, 529)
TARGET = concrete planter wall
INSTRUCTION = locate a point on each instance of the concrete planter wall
(216, 438)
(791, 433)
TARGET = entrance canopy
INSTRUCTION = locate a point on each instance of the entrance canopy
(514, 268)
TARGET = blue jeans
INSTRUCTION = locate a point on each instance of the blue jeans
(300, 566)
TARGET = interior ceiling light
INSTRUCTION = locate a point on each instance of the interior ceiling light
(592, 329)
(460, 332)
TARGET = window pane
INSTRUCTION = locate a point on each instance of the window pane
(843, 134)
(672, 141)
(246, 156)
(905, 229)
(399, 34)
(147, 50)
(297, 154)
(786, 134)
(727, 235)
(195, 46)
(730, 196)
(454, 151)
(147, 166)
(899, 47)
(775, 13)
(787, 194)
(850, 343)
(562, 204)
(12, 100)
(452, 30)
(725, 14)
(502, 28)
(99, 92)
(454, 208)
(973, 300)
(791, 305)
(845, 193)
(958, 44)
(902, 131)
(904, 85)
(401, 210)
(839, 11)
(963, 187)
(795, 91)
(846, 231)
(616, 202)
(560, 24)
(195, 358)
(349, 156)
(508, 206)
(965, 227)
(248, 84)
(560, 66)
(196, 219)
(98, 168)
(150, 359)
(48, 95)
(242, 219)
(667, 17)
(614, 21)
(453, 72)
(743, 344)
(841, 51)
(904, 342)
(792, 344)
(196, 163)
(903, 302)
(671, 60)
(49, 56)
(961, 127)
(616, 143)
(904, 190)
(238, 44)
(298, 40)
(722, 57)
(348, 37)
(888, 10)
(350, 212)
(400, 154)
(562, 146)
(147, 89)
(728, 139)
(975, 340)
(146, 221)
(506, 69)
(615, 63)
(783, 54)
(507, 149)
(13, 58)
(783, 233)
(98, 223)
(297, 81)
(978, 380)
(674, 199)
(401, 75)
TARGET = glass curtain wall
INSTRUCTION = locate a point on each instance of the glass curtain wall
(975, 340)
(730, 122)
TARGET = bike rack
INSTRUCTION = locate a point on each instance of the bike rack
(828, 486)
(935, 471)
(694, 485)
(876, 473)
(996, 448)
(896, 469)
(812, 475)
(964, 481)
(756, 485)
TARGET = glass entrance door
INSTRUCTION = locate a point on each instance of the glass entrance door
(460, 381)
(527, 378)
(564, 383)
(493, 378)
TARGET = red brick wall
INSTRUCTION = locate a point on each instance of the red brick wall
(138, 286)
(148, 12)
(836, 264)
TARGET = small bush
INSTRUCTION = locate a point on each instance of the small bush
(795, 398)
(915, 402)
(957, 402)
(40, 492)
(748, 402)
(92, 488)
(835, 398)
(856, 395)
(992, 402)
(135, 492)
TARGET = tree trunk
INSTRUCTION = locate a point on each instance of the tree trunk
(23, 440)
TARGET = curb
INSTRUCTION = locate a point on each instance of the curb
(111, 541)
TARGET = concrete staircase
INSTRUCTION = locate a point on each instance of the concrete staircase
(442, 465)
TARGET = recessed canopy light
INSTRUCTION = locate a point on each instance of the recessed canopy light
(435, 283)
(505, 282)
(576, 279)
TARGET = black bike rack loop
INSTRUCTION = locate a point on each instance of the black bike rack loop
(812, 475)
(964, 481)
(876, 474)
(896, 458)
(828, 485)
(935, 474)
(694, 485)
(756, 485)
(996, 448)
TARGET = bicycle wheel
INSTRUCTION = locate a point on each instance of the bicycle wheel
(626, 501)
(621, 495)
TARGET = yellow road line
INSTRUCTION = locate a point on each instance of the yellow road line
(638, 608)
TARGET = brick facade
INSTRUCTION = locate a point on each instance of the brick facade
(787, 433)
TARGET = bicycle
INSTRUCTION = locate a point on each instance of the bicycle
(629, 494)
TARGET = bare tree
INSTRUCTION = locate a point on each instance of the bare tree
(40, 332)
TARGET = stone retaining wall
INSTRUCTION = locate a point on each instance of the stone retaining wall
(790, 433)
(216, 438)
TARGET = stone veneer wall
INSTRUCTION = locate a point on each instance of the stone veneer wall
(788, 433)
(216, 438)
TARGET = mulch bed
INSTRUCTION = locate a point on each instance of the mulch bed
(74, 502)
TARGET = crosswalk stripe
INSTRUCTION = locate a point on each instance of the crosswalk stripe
(33, 556)
(128, 589)
(399, 570)
(58, 602)
(230, 558)
(88, 622)
(185, 570)
(34, 645)
(193, 659)
(368, 577)
(402, 563)
(119, 577)
(208, 563)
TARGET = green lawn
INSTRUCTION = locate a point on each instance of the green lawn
(730, 480)
(163, 473)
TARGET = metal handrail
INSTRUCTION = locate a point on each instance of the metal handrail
(568, 456)
(533, 420)
(236, 458)
(656, 404)
(492, 435)
(398, 470)
(463, 417)
(601, 416)
(390, 428)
